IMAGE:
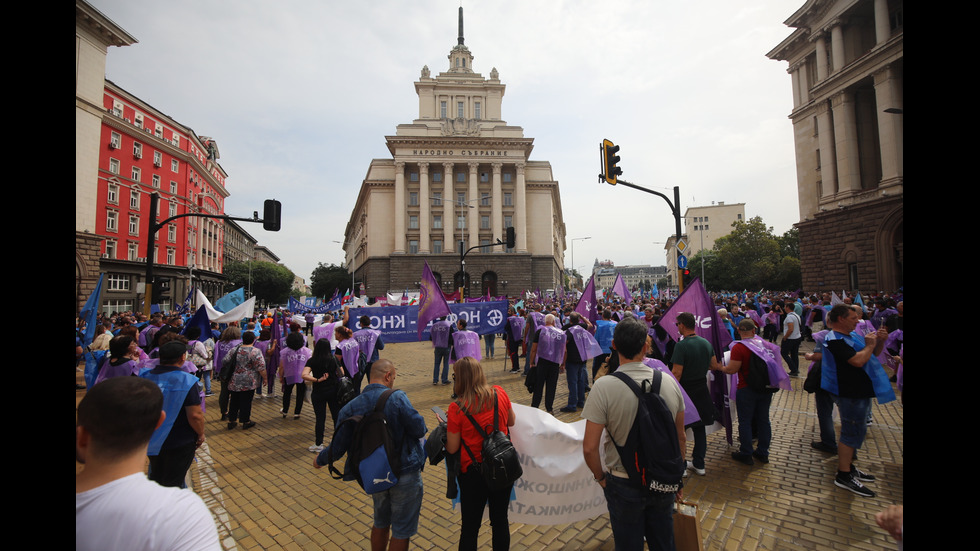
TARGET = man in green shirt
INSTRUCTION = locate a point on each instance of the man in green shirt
(693, 357)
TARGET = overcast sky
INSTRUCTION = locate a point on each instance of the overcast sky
(300, 94)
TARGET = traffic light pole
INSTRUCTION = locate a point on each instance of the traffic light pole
(462, 257)
(157, 226)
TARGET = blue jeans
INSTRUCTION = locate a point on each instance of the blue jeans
(489, 338)
(207, 381)
(790, 351)
(635, 514)
(576, 377)
(753, 409)
(442, 356)
(825, 417)
(399, 506)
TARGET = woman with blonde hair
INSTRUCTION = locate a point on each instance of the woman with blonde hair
(475, 404)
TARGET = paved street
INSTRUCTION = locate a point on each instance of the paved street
(264, 493)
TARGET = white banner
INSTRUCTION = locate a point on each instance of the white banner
(243, 310)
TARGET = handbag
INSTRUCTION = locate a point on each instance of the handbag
(687, 527)
(228, 367)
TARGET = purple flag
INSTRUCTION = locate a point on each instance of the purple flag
(691, 414)
(432, 303)
(587, 303)
(620, 289)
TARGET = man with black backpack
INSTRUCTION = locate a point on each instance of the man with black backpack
(396, 509)
(641, 490)
(760, 374)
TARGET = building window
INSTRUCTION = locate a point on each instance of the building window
(159, 131)
(437, 246)
(485, 199)
(460, 198)
(173, 208)
(484, 246)
(157, 159)
(114, 139)
(133, 252)
(112, 194)
(171, 254)
(459, 109)
(136, 173)
(461, 222)
(436, 176)
(442, 109)
(117, 282)
(460, 177)
(413, 198)
(173, 187)
(740, 217)
(476, 110)
(413, 246)
(174, 165)
(172, 233)
(413, 222)
(508, 221)
(117, 108)
(114, 166)
(138, 120)
(413, 176)
(507, 177)
(110, 248)
(484, 222)
(137, 150)
(134, 199)
(134, 225)
(437, 222)
(437, 199)
(508, 199)
(111, 220)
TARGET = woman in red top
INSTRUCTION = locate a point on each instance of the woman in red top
(476, 398)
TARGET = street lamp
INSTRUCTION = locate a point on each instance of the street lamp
(574, 239)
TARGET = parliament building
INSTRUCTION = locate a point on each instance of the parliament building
(458, 176)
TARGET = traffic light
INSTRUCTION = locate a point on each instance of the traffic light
(271, 219)
(511, 237)
(686, 274)
(609, 160)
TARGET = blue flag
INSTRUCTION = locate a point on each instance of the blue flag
(90, 313)
(231, 300)
(200, 319)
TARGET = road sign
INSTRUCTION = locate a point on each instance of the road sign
(681, 261)
(682, 246)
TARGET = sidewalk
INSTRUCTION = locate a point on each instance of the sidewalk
(261, 486)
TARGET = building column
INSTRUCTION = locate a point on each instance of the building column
(796, 75)
(828, 161)
(891, 132)
(400, 207)
(520, 209)
(822, 56)
(846, 138)
(448, 200)
(883, 27)
(424, 203)
(837, 45)
(497, 211)
(473, 195)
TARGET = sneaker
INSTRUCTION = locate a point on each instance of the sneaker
(206, 394)
(567, 409)
(248, 425)
(435, 383)
(848, 482)
(315, 448)
(515, 371)
(445, 382)
(821, 447)
(695, 469)
(743, 458)
(861, 475)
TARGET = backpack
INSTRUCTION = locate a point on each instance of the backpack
(372, 459)
(501, 466)
(758, 377)
(651, 454)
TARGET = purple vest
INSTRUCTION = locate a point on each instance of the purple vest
(551, 344)
(516, 327)
(324, 331)
(292, 363)
(691, 414)
(769, 353)
(349, 349)
(440, 334)
(221, 348)
(587, 346)
(466, 343)
(367, 338)
(109, 371)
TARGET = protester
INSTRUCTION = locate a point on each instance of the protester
(249, 374)
(321, 370)
(292, 359)
(692, 358)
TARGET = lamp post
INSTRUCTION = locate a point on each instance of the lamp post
(574, 239)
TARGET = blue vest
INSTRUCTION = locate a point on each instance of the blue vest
(175, 386)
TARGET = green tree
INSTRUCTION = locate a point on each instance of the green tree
(271, 283)
(789, 244)
(325, 278)
(752, 257)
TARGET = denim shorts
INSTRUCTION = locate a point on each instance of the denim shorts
(853, 420)
(399, 506)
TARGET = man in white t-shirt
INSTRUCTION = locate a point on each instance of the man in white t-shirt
(790, 347)
(116, 506)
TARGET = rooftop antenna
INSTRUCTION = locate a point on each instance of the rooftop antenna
(460, 39)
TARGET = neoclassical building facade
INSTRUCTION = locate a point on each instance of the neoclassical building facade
(846, 61)
(459, 175)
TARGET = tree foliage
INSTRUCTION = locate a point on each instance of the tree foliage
(751, 257)
(271, 283)
(325, 278)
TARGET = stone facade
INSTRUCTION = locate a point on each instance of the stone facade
(846, 62)
(458, 177)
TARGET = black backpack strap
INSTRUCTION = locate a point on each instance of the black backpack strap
(479, 429)
(383, 399)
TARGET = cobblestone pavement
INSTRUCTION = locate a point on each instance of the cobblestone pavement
(264, 493)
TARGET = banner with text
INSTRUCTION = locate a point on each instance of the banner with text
(400, 323)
